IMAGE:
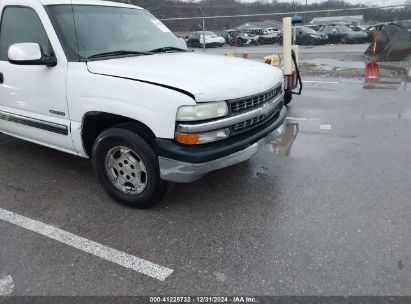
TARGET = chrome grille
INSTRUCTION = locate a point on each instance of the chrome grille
(256, 121)
(248, 103)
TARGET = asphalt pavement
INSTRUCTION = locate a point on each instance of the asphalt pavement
(325, 212)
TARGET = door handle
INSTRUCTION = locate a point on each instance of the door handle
(1, 78)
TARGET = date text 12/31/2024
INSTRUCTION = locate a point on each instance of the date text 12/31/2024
(204, 299)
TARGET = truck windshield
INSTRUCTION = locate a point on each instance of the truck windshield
(85, 31)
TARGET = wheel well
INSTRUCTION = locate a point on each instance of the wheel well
(96, 122)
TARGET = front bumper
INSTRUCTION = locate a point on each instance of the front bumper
(185, 172)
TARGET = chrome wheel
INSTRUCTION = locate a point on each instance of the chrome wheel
(126, 170)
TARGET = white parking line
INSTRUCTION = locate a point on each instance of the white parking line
(6, 286)
(325, 127)
(123, 259)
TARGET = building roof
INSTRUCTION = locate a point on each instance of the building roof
(338, 19)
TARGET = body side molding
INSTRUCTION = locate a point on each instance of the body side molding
(35, 123)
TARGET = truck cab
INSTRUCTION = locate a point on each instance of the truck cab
(110, 82)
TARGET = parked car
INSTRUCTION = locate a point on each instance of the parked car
(307, 36)
(229, 35)
(271, 35)
(264, 36)
(314, 27)
(407, 25)
(126, 94)
(244, 39)
(343, 34)
(273, 31)
(210, 39)
(355, 27)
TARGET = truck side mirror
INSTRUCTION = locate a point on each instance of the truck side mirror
(29, 54)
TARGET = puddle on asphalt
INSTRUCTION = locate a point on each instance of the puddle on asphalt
(281, 147)
(285, 143)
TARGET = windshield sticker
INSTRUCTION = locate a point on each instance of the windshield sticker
(161, 26)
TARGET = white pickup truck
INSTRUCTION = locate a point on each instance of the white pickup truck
(110, 82)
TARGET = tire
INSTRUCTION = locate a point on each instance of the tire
(288, 96)
(127, 168)
(344, 40)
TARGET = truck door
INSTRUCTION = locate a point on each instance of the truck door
(33, 103)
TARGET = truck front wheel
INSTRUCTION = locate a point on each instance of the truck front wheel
(127, 168)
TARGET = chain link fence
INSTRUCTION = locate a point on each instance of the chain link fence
(334, 42)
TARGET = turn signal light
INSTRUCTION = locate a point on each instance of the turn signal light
(188, 139)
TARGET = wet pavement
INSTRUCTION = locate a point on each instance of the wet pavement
(332, 60)
(333, 49)
(324, 212)
(330, 63)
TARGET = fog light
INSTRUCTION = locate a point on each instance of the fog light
(202, 138)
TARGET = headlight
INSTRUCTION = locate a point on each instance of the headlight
(202, 138)
(315, 36)
(202, 111)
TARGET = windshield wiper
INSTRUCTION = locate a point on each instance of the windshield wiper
(118, 53)
(167, 49)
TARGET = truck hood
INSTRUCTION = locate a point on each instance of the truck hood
(206, 77)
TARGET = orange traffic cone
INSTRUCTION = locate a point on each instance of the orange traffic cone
(372, 70)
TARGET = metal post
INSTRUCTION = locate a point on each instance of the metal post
(409, 70)
(204, 43)
(295, 34)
